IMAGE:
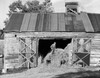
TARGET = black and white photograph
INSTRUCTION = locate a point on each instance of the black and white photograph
(49, 38)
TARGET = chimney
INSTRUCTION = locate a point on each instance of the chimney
(71, 7)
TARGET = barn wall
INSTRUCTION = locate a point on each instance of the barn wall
(11, 51)
(95, 51)
(1, 53)
(12, 45)
(18, 49)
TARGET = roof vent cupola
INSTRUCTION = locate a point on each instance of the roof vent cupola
(71, 7)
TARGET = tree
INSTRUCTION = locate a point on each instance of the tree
(30, 6)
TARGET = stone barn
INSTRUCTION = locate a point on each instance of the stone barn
(29, 35)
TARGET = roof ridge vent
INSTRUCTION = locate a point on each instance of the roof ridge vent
(71, 7)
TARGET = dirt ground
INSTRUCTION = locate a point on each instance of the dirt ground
(40, 72)
(54, 72)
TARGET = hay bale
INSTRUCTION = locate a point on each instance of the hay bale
(57, 58)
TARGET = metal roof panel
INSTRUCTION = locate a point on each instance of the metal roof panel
(25, 22)
(78, 24)
(87, 24)
(39, 22)
(32, 22)
(54, 22)
(61, 21)
(49, 22)
(15, 22)
(94, 21)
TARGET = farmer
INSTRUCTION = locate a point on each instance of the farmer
(53, 47)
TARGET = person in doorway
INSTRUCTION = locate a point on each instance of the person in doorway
(49, 56)
(53, 47)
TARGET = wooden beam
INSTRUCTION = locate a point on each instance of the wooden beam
(50, 34)
(34, 47)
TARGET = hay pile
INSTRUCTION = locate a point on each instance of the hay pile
(58, 57)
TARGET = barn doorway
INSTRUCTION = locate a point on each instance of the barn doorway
(44, 45)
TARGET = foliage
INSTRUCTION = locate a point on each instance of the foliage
(30, 6)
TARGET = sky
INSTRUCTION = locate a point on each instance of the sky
(91, 6)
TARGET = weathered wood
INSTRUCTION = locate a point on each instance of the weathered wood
(32, 22)
(32, 43)
(22, 54)
(94, 65)
(95, 56)
(39, 24)
(1, 53)
(54, 22)
(51, 34)
(26, 45)
(61, 22)
(25, 48)
(25, 22)
(94, 60)
(37, 47)
(34, 47)
(22, 50)
(87, 24)
(97, 36)
(95, 52)
(28, 51)
(11, 47)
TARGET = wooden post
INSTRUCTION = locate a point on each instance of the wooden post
(5, 51)
(34, 48)
(37, 44)
(70, 52)
(22, 50)
(28, 51)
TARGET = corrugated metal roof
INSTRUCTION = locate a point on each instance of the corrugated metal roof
(95, 20)
(53, 22)
(15, 22)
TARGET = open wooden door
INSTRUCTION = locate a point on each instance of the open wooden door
(28, 54)
(81, 51)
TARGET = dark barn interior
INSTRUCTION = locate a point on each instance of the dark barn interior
(44, 45)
